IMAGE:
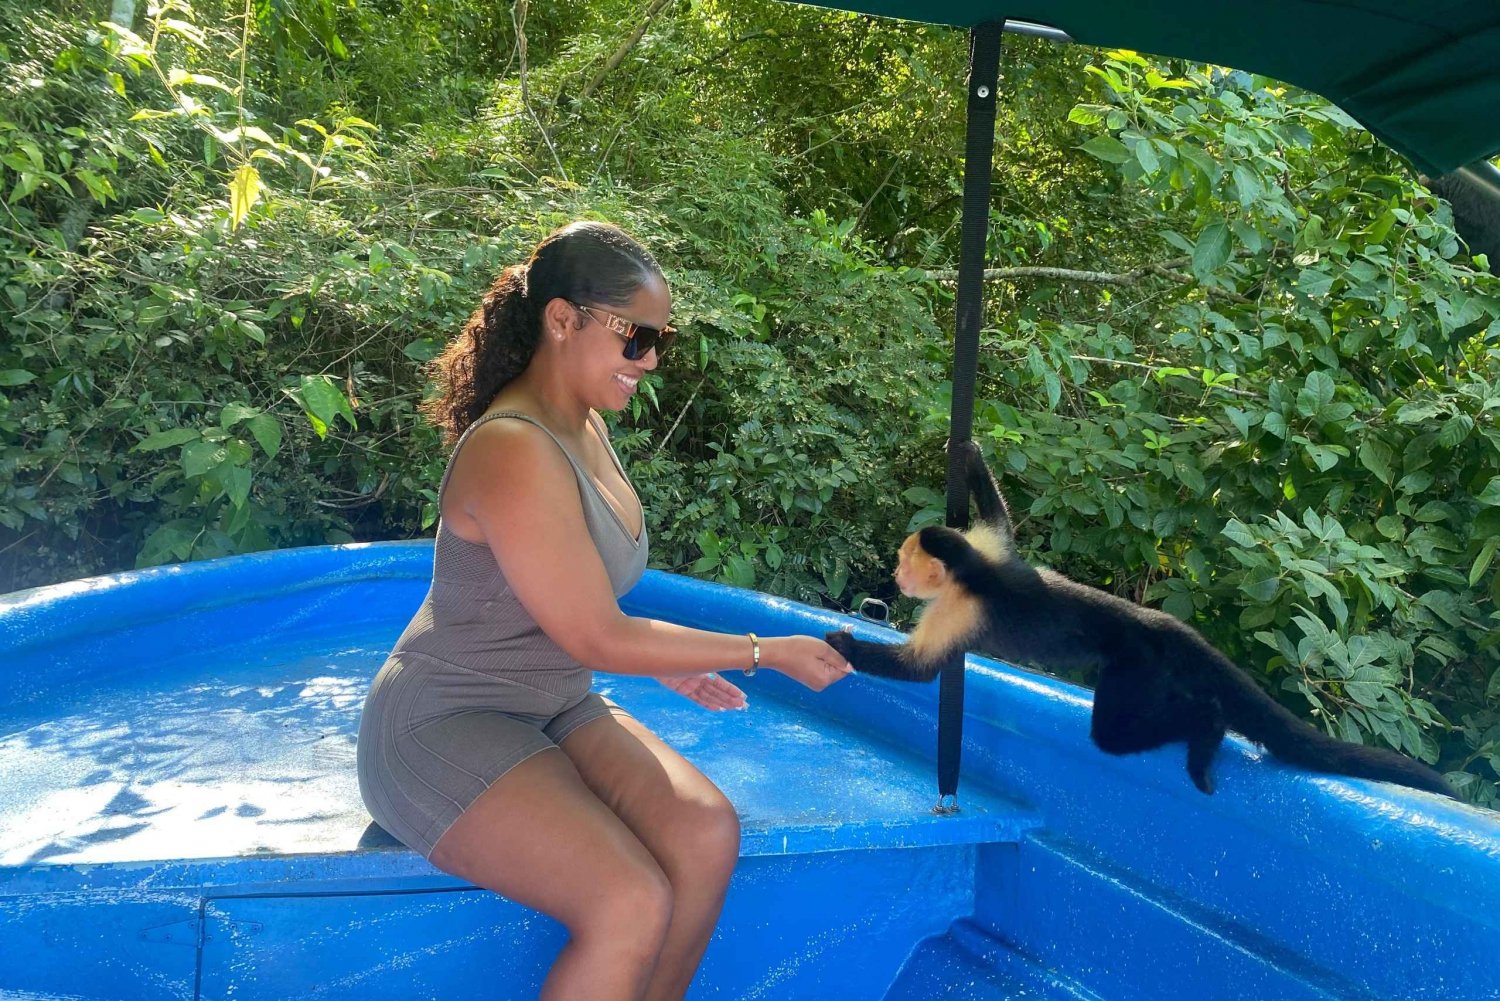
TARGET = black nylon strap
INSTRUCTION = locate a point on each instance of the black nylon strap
(979, 152)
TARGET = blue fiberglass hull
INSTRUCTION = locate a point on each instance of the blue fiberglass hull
(179, 819)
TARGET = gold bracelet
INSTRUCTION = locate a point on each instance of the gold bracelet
(755, 655)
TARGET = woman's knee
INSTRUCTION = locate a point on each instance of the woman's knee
(705, 839)
(632, 911)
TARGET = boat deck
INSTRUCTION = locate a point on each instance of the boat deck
(191, 823)
(217, 756)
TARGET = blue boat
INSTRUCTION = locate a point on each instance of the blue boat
(179, 818)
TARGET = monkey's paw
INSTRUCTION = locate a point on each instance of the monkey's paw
(844, 642)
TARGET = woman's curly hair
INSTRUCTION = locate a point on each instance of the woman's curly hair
(592, 263)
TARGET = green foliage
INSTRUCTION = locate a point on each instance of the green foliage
(1258, 385)
(1292, 446)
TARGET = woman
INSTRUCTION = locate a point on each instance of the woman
(481, 745)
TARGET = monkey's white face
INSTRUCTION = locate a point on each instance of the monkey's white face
(918, 575)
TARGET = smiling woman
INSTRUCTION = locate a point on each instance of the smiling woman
(481, 744)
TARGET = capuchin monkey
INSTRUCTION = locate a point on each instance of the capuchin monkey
(1159, 682)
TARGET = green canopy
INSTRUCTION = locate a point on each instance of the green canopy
(1420, 76)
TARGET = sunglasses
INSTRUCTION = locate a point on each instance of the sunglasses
(639, 338)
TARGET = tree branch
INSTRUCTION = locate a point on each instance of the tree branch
(518, 18)
(619, 54)
(1166, 269)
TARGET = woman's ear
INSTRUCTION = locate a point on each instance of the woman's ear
(558, 319)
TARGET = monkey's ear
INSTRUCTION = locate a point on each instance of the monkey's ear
(928, 576)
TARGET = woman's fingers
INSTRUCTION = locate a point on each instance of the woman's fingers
(708, 690)
(720, 694)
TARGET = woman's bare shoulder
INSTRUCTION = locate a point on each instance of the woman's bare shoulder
(506, 462)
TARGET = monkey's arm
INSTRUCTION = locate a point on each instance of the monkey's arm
(884, 660)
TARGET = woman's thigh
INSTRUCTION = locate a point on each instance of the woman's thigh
(541, 837)
(674, 809)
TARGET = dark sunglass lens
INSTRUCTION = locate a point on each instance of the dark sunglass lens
(643, 339)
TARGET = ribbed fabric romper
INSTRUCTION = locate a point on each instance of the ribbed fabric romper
(474, 687)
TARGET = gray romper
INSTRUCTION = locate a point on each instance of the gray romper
(473, 686)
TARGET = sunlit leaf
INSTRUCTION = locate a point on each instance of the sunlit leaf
(244, 192)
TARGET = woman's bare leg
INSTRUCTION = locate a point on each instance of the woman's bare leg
(540, 837)
(682, 818)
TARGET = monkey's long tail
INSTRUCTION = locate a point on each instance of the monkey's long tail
(987, 497)
(1255, 714)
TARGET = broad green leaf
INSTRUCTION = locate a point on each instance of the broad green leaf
(1190, 476)
(1415, 413)
(1316, 393)
(1106, 148)
(1491, 492)
(739, 571)
(1261, 584)
(1375, 455)
(1198, 158)
(1366, 693)
(1247, 186)
(1145, 155)
(423, 349)
(1212, 249)
(1314, 282)
(235, 412)
(15, 377)
(235, 481)
(323, 400)
(1323, 457)
(1455, 431)
(1482, 561)
(201, 456)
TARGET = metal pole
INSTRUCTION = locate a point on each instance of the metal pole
(979, 151)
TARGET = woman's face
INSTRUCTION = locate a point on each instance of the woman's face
(608, 378)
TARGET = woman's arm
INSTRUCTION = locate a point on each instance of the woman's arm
(513, 487)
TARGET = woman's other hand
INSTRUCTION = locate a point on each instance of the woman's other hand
(806, 659)
(708, 690)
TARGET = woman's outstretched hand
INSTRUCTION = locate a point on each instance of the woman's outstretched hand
(806, 659)
(708, 690)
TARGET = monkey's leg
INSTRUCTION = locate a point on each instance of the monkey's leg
(1202, 748)
(1206, 735)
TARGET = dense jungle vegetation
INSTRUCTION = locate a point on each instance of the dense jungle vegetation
(1237, 362)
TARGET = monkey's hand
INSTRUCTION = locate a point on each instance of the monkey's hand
(844, 642)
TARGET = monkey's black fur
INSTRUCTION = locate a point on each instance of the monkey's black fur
(1159, 682)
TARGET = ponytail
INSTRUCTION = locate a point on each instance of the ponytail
(494, 346)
